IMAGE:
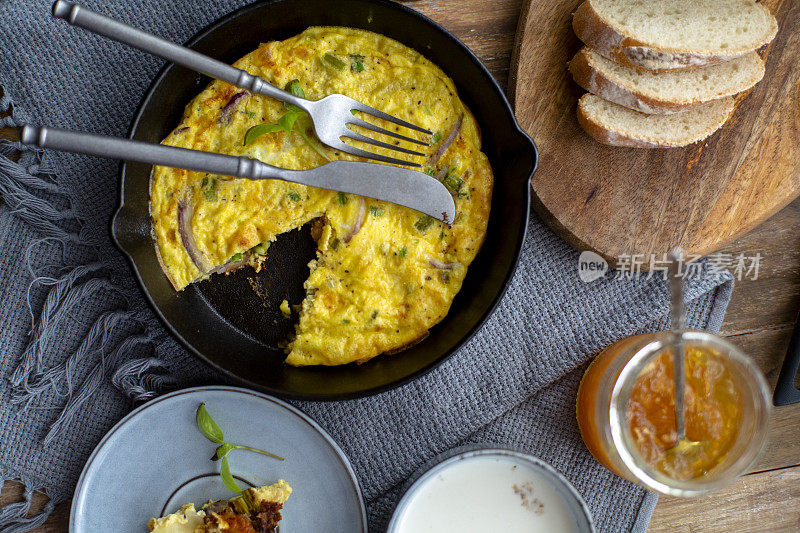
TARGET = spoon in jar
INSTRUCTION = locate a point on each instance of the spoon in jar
(682, 446)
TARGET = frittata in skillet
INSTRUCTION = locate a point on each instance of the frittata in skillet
(384, 274)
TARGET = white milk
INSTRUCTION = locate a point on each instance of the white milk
(486, 495)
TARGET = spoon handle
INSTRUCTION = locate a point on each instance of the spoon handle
(678, 324)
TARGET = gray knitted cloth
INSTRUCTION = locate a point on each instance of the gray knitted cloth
(80, 347)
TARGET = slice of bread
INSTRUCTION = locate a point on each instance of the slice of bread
(673, 34)
(664, 92)
(616, 125)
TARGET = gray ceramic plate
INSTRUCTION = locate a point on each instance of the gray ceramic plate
(155, 460)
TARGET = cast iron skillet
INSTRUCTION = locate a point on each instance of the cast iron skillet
(232, 322)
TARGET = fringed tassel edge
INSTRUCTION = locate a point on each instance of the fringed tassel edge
(15, 183)
(14, 516)
(93, 382)
(64, 294)
(139, 379)
(27, 187)
(143, 379)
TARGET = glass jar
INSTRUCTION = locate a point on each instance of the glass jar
(607, 408)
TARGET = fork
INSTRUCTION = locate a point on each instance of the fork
(331, 115)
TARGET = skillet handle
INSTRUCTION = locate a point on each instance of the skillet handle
(87, 19)
(155, 154)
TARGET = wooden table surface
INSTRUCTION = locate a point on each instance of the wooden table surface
(760, 319)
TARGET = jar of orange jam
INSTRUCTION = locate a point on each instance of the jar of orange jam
(626, 412)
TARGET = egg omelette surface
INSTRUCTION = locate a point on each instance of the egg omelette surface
(384, 274)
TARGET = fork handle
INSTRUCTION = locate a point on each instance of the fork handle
(87, 19)
(155, 154)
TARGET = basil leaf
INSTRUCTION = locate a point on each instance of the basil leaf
(295, 88)
(257, 131)
(207, 426)
(289, 118)
(436, 137)
(227, 477)
(222, 451)
(333, 61)
(376, 211)
(342, 197)
(287, 122)
(293, 196)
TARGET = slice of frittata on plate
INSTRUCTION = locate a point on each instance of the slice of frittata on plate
(257, 510)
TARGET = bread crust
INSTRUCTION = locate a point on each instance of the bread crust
(610, 137)
(589, 76)
(613, 43)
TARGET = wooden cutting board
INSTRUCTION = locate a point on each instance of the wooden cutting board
(624, 201)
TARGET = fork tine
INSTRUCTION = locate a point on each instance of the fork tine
(369, 140)
(385, 116)
(377, 129)
(352, 150)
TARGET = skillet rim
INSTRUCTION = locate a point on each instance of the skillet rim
(527, 145)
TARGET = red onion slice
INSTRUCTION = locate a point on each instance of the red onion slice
(447, 142)
(228, 267)
(227, 111)
(185, 214)
(355, 227)
(435, 263)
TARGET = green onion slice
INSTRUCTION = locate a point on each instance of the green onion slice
(333, 61)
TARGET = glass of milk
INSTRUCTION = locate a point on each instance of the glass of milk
(474, 489)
